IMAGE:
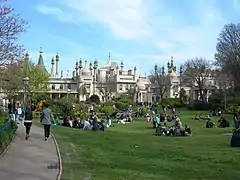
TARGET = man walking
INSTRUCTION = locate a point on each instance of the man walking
(46, 119)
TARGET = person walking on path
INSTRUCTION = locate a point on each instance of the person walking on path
(28, 117)
(46, 119)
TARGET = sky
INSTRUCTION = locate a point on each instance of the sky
(140, 33)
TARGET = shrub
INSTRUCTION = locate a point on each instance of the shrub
(232, 108)
(121, 106)
(199, 105)
(8, 129)
(126, 101)
(174, 102)
(94, 98)
(106, 110)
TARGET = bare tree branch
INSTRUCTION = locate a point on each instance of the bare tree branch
(12, 25)
(228, 52)
(196, 73)
(160, 81)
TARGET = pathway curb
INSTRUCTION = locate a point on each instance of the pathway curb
(59, 157)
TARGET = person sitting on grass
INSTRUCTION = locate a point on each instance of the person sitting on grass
(66, 122)
(176, 129)
(210, 124)
(187, 130)
(223, 123)
(196, 117)
(161, 130)
(56, 121)
(87, 126)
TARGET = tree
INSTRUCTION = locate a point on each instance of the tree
(160, 81)
(228, 52)
(13, 78)
(196, 73)
(12, 25)
(38, 78)
(105, 88)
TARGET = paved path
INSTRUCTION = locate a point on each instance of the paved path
(30, 160)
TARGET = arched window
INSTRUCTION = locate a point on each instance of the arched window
(61, 87)
(53, 87)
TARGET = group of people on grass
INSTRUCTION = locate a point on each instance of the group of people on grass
(94, 122)
(222, 122)
(167, 125)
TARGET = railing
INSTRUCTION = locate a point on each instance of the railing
(7, 131)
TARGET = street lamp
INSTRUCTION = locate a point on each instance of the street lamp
(95, 66)
(25, 82)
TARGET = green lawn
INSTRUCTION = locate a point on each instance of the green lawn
(112, 155)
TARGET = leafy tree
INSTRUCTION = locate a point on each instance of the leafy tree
(11, 80)
(14, 73)
(12, 25)
(160, 81)
(228, 52)
(38, 78)
(196, 73)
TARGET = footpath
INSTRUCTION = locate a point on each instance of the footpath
(31, 159)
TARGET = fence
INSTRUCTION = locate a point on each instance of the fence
(6, 133)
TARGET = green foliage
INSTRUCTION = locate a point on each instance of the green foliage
(14, 74)
(199, 105)
(126, 101)
(217, 99)
(121, 105)
(107, 110)
(6, 133)
(94, 98)
(63, 106)
(232, 108)
(175, 102)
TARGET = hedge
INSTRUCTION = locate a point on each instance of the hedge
(7, 130)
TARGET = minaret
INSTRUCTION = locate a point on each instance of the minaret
(40, 59)
(134, 73)
(91, 68)
(80, 67)
(171, 62)
(122, 66)
(52, 69)
(109, 58)
(57, 60)
(76, 68)
(61, 74)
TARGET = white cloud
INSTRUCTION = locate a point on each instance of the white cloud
(136, 20)
(56, 12)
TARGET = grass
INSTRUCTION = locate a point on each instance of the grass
(112, 155)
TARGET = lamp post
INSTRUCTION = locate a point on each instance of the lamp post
(95, 66)
(25, 82)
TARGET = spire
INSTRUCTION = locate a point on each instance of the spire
(40, 59)
(109, 58)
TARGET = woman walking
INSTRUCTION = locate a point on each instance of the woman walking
(46, 119)
(28, 117)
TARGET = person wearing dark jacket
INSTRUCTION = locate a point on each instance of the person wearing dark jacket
(28, 117)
